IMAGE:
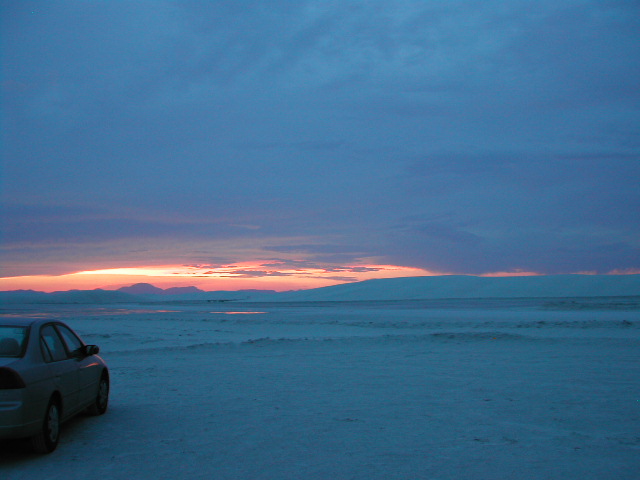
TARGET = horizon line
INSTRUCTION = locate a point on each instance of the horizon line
(115, 288)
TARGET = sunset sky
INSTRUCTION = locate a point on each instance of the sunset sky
(294, 144)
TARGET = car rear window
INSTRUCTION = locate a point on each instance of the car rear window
(13, 340)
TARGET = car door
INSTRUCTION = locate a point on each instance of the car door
(88, 368)
(62, 367)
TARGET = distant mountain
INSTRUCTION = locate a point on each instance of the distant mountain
(407, 288)
(97, 296)
(93, 296)
(464, 286)
(142, 289)
(22, 296)
(139, 293)
(215, 296)
(151, 292)
(148, 289)
(182, 290)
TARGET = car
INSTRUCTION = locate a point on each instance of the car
(47, 375)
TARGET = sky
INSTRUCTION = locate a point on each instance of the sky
(292, 144)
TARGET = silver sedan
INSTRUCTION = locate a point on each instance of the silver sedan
(47, 375)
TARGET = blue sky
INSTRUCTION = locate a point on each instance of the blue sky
(449, 136)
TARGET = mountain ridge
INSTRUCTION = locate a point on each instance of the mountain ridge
(149, 289)
(402, 288)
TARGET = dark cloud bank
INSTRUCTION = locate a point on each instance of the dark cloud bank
(460, 136)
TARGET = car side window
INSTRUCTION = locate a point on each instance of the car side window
(73, 342)
(45, 351)
(53, 344)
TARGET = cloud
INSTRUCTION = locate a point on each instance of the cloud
(458, 136)
(259, 273)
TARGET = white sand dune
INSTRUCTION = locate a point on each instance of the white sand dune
(463, 286)
(424, 389)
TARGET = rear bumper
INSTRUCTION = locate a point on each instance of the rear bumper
(14, 423)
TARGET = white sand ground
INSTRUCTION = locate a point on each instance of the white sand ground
(454, 389)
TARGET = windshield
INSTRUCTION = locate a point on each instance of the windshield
(13, 341)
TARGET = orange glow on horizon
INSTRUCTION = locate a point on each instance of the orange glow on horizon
(516, 273)
(258, 270)
(239, 276)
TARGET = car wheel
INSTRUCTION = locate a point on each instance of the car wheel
(99, 406)
(46, 440)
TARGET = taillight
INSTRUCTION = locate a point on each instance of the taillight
(9, 379)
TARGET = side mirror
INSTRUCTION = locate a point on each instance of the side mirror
(91, 350)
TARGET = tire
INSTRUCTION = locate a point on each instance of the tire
(47, 439)
(99, 406)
